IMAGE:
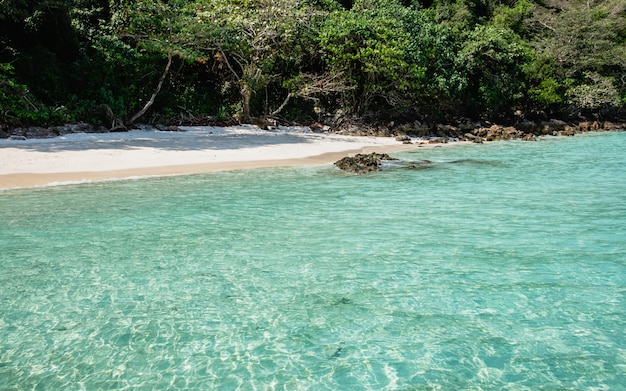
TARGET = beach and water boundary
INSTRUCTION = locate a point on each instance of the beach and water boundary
(77, 158)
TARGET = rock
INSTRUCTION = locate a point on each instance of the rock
(596, 125)
(447, 130)
(80, 127)
(510, 132)
(473, 138)
(316, 127)
(480, 132)
(527, 126)
(83, 128)
(584, 126)
(497, 133)
(587, 126)
(355, 128)
(363, 163)
(15, 137)
(467, 124)
(403, 138)
(529, 137)
(551, 126)
(610, 126)
(33, 132)
(264, 123)
(568, 131)
(416, 129)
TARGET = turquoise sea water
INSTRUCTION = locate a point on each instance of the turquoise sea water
(496, 267)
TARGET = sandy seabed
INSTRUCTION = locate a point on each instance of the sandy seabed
(76, 158)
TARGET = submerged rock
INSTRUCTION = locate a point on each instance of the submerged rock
(363, 163)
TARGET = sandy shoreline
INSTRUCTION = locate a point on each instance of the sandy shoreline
(77, 158)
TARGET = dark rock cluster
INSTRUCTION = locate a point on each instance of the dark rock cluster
(529, 130)
(470, 130)
(363, 163)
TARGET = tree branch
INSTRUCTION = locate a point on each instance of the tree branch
(156, 91)
(544, 24)
(223, 55)
(282, 106)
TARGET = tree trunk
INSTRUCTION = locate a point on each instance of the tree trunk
(155, 93)
(246, 95)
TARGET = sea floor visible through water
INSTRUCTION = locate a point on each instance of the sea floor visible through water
(494, 267)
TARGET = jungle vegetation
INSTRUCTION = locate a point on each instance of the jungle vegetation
(118, 62)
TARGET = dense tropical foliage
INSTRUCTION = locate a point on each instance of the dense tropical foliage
(115, 62)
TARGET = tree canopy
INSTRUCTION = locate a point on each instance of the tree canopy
(116, 62)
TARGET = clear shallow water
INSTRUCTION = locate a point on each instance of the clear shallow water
(499, 266)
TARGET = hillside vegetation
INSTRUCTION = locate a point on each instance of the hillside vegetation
(117, 62)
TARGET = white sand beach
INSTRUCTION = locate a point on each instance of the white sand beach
(76, 158)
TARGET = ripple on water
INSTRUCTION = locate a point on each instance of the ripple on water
(501, 270)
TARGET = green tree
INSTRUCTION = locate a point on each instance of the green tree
(433, 47)
(368, 47)
(587, 43)
(494, 59)
(147, 29)
(33, 33)
(251, 40)
(513, 16)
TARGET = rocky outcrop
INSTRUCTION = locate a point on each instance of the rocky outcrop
(415, 128)
(469, 130)
(356, 126)
(587, 126)
(597, 125)
(553, 126)
(493, 133)
(473, 138)
(363, 163)
(80, 127)
(527, 126)
(32, 132)
(527, 130)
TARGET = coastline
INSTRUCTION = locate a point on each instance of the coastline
(116, 156)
